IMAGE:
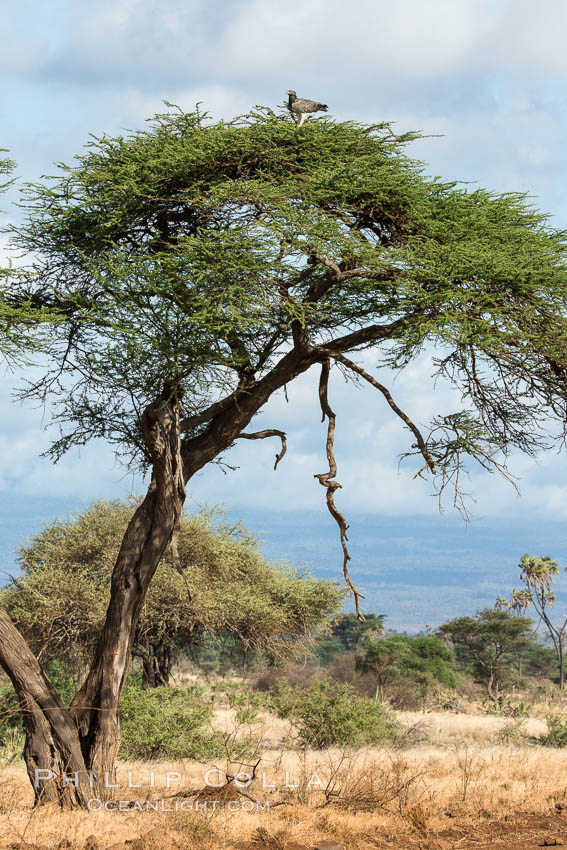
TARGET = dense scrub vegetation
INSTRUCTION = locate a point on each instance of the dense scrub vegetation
(334, 677)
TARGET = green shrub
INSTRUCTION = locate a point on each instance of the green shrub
(10, 716)
(514, 732)
(331, 714)
(62, 680)
(556, 731)
(166, 722)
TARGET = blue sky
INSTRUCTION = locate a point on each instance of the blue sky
(489, 77)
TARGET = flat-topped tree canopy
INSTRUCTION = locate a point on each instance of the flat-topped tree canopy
(195, 255)
(199, 253)
(198, 267)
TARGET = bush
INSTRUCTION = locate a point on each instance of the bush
(62, 679)
(513, 733)
(556, 731)
(331, 714)
(417, 692)
(10, 714)
(166, 722)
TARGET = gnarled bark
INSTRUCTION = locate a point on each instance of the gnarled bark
(52, 745)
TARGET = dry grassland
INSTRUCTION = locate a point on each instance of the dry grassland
(456, 785)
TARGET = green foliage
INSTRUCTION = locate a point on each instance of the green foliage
(491, 644)
(60, 601)
(6, 168)
(22, 319)
(330, 714)
(424, 661)
(556, 731)
(167, 723)
(62, 679)
(10, 715)
(344, 634)
(538, 575)
(198, 253)
(538, 662)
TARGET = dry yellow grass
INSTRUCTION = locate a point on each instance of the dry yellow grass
(445, 729)
(269, 729)
(369, 798)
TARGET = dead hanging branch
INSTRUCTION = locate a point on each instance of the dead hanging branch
(268, 432)
(326, 480)
(421, 444)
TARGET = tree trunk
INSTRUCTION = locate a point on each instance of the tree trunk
(163, 661)
(493, 689)
(95, 706)
(52, 745)
(561, 662)
(85, 739)
(148, 674)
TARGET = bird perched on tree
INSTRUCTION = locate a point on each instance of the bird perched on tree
(300, 106)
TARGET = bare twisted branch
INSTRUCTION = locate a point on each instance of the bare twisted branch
(268, 432)
(326, 480)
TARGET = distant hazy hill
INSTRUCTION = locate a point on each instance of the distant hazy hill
(419, 570)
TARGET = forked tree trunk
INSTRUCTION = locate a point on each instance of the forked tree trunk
(77, 747)
(95, 706)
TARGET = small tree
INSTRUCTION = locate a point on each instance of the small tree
(345, 632)
(490, 643)
(538, 575)
(422, 660)
(60, 601)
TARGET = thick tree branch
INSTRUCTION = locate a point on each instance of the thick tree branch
(206, 415)
(245, 384)
(330, 348)
(372, 333)
(337, 275)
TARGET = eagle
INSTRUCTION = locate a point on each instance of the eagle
(300, 105)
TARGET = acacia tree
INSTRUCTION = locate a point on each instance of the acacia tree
(537, 575)
(490, 642)
(60, 599)
(200, 268)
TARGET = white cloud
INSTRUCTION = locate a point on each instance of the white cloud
(356, 44)
(369, 439)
